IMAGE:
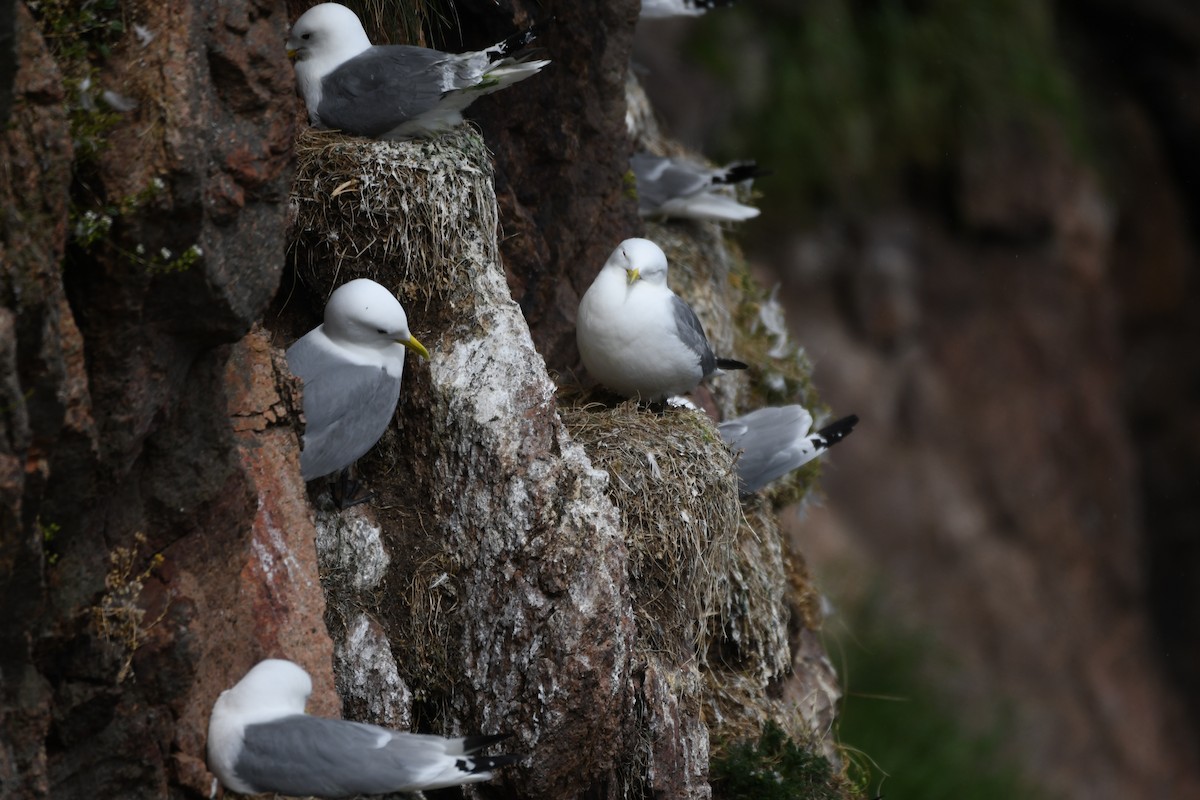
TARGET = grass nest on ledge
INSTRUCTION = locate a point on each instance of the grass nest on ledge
(414, 210)
(713, 582)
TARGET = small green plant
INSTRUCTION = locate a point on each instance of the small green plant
(49, 531)
(629, 185)
(166, 262)
(775, 768)
(80, 35)
(90, 228)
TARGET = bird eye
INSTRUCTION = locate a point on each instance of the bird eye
(305, 35)
(381, 330)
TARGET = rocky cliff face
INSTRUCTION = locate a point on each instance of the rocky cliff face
(998, 497)
(157, 539)
(151, 528)
(1016, 325)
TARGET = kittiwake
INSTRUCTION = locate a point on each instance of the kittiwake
(635, 335)
(260, 740)
(773, 441)
(677, 187)
(658, 9)
(393, 91)
(351, 366)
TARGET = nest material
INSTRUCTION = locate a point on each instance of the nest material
(416, 211)
(713, 583)
(671, 478)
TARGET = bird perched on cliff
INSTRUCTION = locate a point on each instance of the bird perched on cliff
(635, 335)
(393, 91)
(657, 9)
(773, 441)
(260, 740)
(677, 187)
(351, 366)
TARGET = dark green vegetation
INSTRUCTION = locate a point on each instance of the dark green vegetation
(80, 36)
(846, 101)
(774, 768)
(905, 732)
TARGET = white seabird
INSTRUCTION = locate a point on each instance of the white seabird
(773, 441)
(392, 91)
(351, 366)
(658, 9)
(260, 740)
(678, 187)
(636, 336)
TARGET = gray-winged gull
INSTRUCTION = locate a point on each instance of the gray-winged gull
(260, 740)
(392, 91)
(635, 335)
(775, 440)
(677, 187)
(351, 366)
(658, 9)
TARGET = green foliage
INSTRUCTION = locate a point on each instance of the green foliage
(91, 229)
(401, 23)
(913, 739)
(49, 531)
(774, 768)
(80, 35)
(853, 94)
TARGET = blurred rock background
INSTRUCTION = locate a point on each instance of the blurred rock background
(982, 219)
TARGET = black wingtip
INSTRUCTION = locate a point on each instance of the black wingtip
(740, 171)
(520, 39)
(729, 363)
(834, 432)
(489, 763)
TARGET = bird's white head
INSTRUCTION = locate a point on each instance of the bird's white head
(327, 34)
(361, 312)
(639, 259)
(271, 688)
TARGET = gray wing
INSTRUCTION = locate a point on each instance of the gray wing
(382, 87)
(691, 332)
(662, 179)
(772, 442)
(346, 408)
(302, 755)
(775, 440)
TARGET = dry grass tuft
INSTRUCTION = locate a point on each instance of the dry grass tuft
(671, 478)
(713, 581)
(410, 211)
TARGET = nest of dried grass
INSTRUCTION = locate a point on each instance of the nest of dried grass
(714, 584)
(672, 481)
(411, 213)
(773, 598)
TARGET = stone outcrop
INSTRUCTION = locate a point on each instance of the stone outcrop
(150, 533)
(157, 539)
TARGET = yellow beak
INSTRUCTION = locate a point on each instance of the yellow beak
(415, 346)
(633, 275)
(291, 54)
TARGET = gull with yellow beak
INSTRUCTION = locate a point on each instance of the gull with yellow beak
(636, 336)
(393, 91)
(351, 366)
